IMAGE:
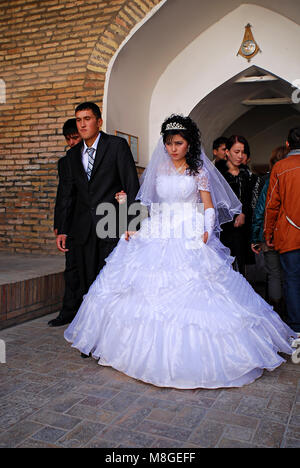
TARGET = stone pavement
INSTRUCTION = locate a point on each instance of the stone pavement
(51, 397)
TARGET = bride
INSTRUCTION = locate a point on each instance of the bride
(168, 308)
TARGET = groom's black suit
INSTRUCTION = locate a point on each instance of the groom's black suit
(113, 170)
(72, 298)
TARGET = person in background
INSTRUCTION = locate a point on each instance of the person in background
(234, 234)
(219, 149)
(253, 178)
(258, 244)
(71, 299)
(282, 223)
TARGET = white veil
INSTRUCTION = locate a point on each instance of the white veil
(225, 202)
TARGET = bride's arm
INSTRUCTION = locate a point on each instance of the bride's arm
(209, 214)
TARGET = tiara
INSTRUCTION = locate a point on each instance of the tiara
(175, 126)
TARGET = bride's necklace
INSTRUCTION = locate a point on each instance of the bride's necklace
(178, 169)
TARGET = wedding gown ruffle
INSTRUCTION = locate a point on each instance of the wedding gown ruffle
(178, 317)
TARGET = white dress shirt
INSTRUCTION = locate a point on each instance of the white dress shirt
(85, 156)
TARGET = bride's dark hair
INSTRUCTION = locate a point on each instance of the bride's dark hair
(191, 134)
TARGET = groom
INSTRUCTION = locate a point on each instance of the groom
(100, 166)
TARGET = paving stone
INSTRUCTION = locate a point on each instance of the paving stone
(130, 438)
(17, 411)
(227, 401)
(269, 434)
(207, 434)
(232, 418)
(132, 386)
(293, 432)
(167, 443)
(98, 442)
(281, 402)
(94, 402)
(120, 402)
(228, 443)
(289, 378)
(152, 403)
(291, 443)
(171, 432)
(62, 421)
(161, 415)
(64, 403)
(81, 434)
(34, 399)
(60, 388)
(49, 434)
(239, 433)
(97, 392)
(31, 443)
(92, 414)
(9, 388)
(295, 416)
(189, 417)
(14, 436)
(132, 418)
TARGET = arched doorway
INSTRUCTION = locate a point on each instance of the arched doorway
(256, 104)
(181, 56)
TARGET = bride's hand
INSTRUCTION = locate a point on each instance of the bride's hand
(121, 197)
(129, 234)
(205, 237)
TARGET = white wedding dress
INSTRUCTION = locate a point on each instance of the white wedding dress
(170, 310)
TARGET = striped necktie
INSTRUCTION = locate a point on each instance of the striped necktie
(90, 152)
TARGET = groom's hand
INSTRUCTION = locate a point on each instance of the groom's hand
(61, 243)
(121, 197)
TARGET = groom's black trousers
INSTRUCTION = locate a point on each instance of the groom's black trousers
(91, 257)
(72, 296)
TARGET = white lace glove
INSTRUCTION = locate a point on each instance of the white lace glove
(209, 221)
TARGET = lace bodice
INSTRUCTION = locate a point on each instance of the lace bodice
(177, 187)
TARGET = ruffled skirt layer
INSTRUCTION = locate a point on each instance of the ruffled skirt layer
(178, 317)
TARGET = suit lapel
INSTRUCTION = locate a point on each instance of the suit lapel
(101, 150)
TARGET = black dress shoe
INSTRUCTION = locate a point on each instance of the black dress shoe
(58, 322)
(85, 356)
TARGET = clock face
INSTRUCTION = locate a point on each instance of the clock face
(248, 47)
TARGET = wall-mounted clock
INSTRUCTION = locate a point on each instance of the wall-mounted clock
(249, 47)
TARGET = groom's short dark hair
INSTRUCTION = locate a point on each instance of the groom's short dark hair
(89, 105)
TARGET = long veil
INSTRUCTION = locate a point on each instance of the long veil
(225, 202)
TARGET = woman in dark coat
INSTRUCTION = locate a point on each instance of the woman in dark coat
(235, 234)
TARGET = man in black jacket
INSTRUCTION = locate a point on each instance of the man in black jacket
(72, 298)
(101, 166)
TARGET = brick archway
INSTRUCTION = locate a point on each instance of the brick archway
(131, 14)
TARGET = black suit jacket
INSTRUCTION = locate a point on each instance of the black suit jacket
(60, 209)
(114, 170)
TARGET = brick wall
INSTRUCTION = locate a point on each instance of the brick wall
(53, 55)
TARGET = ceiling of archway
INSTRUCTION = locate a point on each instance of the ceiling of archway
(144, 58)
(226, 105)
(178, 23)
